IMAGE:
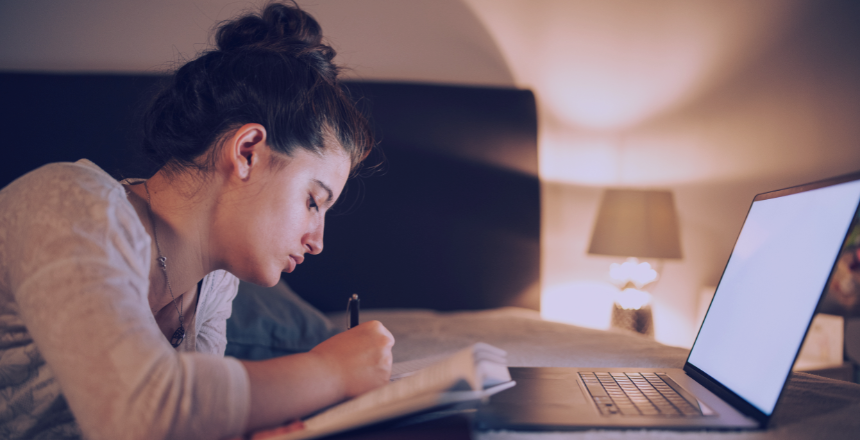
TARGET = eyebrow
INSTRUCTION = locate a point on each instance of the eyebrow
(330, 200)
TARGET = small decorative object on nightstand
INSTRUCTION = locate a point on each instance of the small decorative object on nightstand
(635, 223)
(822, 353)
(632, 308)
(842, 298)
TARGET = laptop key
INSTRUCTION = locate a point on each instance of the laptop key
(596, 390)
(628, 410)
(634, 394)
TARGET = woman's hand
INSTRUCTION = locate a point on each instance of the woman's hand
(360, 357)
(344, 366)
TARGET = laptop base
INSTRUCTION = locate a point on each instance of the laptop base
(556, 399)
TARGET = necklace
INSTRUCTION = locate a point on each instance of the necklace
(179, 334)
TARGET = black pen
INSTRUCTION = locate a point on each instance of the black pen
(352, 311)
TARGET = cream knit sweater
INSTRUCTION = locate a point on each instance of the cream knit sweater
(80, 351)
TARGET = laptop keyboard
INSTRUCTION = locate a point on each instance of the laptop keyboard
(636, 394)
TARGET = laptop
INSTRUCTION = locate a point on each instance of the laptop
(742, 357)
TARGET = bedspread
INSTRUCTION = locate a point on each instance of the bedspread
(813, 407)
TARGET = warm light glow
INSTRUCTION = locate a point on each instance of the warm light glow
(645, 157)
(632, 271)
(592, 159)
(609, 82)
(632, 299)
(587, 304)
(671, 325)
(609, 68)
(664, 94)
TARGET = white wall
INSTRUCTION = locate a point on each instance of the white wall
(416, 40)
(715, 99)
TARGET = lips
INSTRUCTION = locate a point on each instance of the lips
(296, 260)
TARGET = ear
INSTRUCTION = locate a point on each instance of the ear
(245, 149)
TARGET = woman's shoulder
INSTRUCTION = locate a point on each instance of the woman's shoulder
(68, 199)
(62, 183)
(82, 173)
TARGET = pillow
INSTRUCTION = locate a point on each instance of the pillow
(273, 321)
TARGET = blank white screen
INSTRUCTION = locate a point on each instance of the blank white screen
(770, 289)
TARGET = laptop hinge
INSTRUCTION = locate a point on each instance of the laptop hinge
(727, 395)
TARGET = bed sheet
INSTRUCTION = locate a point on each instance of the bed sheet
(813, 408)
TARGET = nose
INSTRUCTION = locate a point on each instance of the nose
(313, 239)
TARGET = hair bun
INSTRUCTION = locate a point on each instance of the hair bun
(279, 28)
(271, 69)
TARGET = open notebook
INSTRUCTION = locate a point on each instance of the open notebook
(468, 375)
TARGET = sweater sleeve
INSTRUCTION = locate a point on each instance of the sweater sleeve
(80, 279)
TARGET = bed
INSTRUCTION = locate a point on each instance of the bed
(443, 244)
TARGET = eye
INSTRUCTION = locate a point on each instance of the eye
(312, 204)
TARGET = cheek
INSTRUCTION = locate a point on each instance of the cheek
(259, 231)
(283, 225)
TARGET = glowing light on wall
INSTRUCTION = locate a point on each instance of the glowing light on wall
(606, 68)
(592, 159)
(616, 78)
(630, 94)
(648, 157)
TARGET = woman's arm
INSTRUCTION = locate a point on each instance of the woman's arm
(344, 366)
(290, 387)
(78, 274)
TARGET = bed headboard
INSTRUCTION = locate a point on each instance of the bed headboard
(450, 221)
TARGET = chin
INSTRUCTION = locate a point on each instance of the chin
(262, 279)
(271, 281)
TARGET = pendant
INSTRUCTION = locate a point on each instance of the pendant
(178, 337)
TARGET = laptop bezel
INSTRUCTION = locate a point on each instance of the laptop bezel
(715, 386)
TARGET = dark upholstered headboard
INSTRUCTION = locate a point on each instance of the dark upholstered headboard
(450, 221)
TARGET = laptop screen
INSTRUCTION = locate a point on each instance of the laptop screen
(770, 289)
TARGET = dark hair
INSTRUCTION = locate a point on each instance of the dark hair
(271, 69)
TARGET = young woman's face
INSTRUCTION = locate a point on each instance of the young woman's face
(281, 214)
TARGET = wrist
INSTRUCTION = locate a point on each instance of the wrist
(330, 369)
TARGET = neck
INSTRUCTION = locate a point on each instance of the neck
(177, 215)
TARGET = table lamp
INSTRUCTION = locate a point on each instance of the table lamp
(635, 224)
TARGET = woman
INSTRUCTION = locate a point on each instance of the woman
(114, 295)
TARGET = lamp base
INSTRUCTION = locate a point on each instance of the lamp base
(638, 320)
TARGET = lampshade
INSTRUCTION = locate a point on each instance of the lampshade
(636, 223)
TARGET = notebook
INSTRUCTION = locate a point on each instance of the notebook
(742, 356)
